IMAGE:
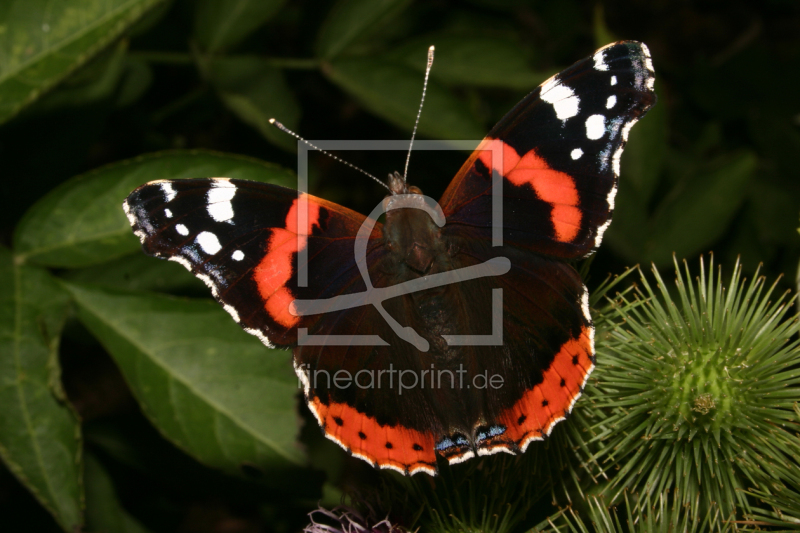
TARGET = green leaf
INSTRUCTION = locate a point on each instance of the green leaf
(81, 222)
(221, 24)
(104, 512)
(130, 442)
(94, 82)
(482, 61)
(700, 209)
(602, 35)
(643, 159)
(393, 91)
(350, 19)
(641, 169)
(140, 272)
(42, 42)
(209, 387)
(40, 437)
(256, 92)
(136, 80)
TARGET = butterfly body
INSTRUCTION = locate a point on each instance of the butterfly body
(457, 328)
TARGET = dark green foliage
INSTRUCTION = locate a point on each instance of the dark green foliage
(129, 401)
(698, 389)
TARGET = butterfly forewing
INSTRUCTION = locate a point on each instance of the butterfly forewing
(242, 239)
(558, 152)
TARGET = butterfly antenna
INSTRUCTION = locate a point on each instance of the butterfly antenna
(419, 113)
(339, 159)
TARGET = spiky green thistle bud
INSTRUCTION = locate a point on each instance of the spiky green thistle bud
(659, 516)
(698, 386)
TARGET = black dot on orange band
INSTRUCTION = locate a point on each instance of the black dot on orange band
(339, 421)
(563, 382)
(361, 435)
(521, 419)
(544, 403)
(574, 359)
(417, 447)
(389, 445)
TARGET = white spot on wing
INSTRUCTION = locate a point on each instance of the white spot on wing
(611, 102)
(595, 127)
(181, 261)
(303, 377)
(127, 209)
(602, 229)
(422, 468)
(232, 311)
(585, 304)
(461, 458)
(530, 438)
(219, 198)
(553, 424)
(167, 213)
(626, 129)
(615, 160)
(613, 80)
(208, 242)
(209, 283)
(610, 198)
(168, 190)
(645, 50)
(563, 99)
(600, 60)
(238, 255)
(389, 466)
(366, 458)
(576, 153)
(314, 411)
(342, 444)
(264, 339)
(183, 230)
(494, 450)
(221, 212)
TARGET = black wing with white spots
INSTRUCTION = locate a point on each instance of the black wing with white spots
(558, 152)
(242, 239)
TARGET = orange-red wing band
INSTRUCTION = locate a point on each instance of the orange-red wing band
(402, 449)
(275, 269)
(552, 186)
(534, 415)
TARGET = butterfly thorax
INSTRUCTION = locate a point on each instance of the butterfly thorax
(414, 240)
(418, 249)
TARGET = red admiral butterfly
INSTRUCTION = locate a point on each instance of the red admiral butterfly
(555, 157)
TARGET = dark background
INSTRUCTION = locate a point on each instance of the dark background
(712, 168)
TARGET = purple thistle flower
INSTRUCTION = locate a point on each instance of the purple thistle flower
(343, 519)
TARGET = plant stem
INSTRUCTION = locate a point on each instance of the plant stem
(164, 58)
(181, 58)
(177, 105)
